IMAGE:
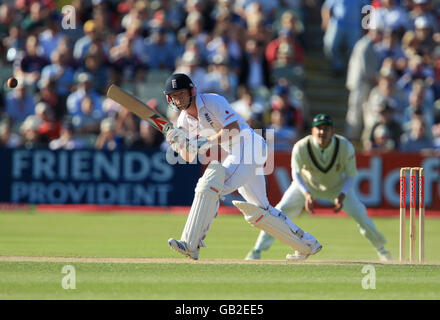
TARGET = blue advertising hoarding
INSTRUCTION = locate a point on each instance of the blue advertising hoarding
(123, 177)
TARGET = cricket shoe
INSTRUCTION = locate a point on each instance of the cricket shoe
(254, 254)
(384, 256)
(314, 245)
(180, 246)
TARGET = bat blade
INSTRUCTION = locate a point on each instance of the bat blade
(139, 108)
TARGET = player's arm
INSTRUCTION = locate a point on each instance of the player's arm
(296, 176)
(351, 172)
(228, 132)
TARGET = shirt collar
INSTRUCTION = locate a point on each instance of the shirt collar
(325, 151)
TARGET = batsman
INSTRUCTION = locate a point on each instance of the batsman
(207, 120)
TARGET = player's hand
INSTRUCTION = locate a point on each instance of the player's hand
(338, 203)
(309, 203)
(199, 145)
(176, 137)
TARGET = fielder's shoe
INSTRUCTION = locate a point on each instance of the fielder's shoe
(254, 254)
(180, 246)
(384, 256)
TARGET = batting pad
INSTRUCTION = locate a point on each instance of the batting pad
(204, 206)
(276, 226)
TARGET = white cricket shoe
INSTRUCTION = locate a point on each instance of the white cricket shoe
(254, 254)
(297, 256)
(385, 256)
(311, 242)
(180, 246)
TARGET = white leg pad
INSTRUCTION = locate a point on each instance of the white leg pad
(205, 205)
(278, 226)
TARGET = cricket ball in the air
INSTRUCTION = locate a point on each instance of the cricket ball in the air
(12, 82)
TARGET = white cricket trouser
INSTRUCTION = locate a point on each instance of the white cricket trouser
(292, 203)
(242, 174)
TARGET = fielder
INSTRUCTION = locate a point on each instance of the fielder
(207, 120)
(323, 167)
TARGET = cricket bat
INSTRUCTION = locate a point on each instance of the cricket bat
(139, 108)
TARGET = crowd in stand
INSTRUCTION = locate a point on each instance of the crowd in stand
(393, 74)
(250, 51)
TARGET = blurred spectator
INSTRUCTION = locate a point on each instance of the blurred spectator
(257, 29)
(383, 138)
(108, 138)
(8, 138)
(49, 128)
(284, 135)
(422, 8)
(60, 72)
(290, 20)
(393, 16)
(160, 52)
(268, 8)
(126, 125)
(410, 44)
(189, 64)
(390, 48)
(385, 91)
(87, 121)
(97, 66)
(361, 77)
(133, 34)
(50, 37)
(285, 36)
(66, 140)
(138, 12)
(341, 21)
(32, 63)
(224, 42)
(424, 35)
(284, 102)
(416, 70)
(254, 67)
(84, 90)
(248, 107)
(7, 18)
(220, 79)
(418, 105)
(30, 135)
(129, 69)
(195, 25)
(149, 137)
(417, 139)
(202, 8)
(47, 93)
(35, 20)
(82, 45)
(20, 103)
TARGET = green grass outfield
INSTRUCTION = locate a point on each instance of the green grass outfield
(126, 256)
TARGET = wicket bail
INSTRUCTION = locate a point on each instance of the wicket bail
(412, 213)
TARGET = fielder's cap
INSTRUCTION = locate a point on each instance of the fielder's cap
(177, 82)
(322, 119)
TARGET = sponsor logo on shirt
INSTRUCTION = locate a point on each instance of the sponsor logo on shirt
(208, 118)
